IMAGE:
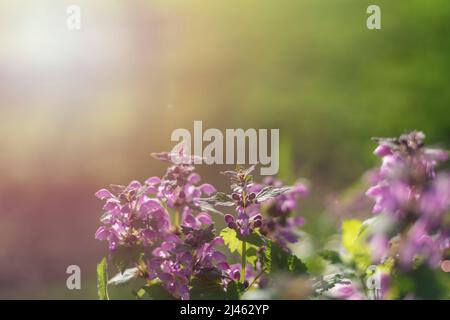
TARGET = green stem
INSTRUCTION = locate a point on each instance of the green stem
(177, 218)
(244, 254)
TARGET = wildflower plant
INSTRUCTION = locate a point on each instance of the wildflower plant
(409, 236)
(161, 234)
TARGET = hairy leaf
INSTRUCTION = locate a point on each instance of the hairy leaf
(270, 192)
(219, 199)
(276, 259)
(124, 277)
(331, 256)
(204, 206)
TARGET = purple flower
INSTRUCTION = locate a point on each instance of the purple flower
(417, 245)
(348, 291)
(136, 215)
(180, 259)
(179, 187)
(130, 217)
(408, 189)
(280, 226)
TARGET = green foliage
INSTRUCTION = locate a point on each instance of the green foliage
(234, 243)
(235, 290)
(420, 283)
(155, 291)
(207, 286)
(276, 259)
(125, 257)
(354, 241)
(102, 280)
(331, 256)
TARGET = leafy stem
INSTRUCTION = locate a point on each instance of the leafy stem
(243, 261)
(177, 218)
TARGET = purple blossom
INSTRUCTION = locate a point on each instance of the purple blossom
(277, 224)
(180, 186)
(407, 188)
(234, 272)
(131, 217)
(280, 225)
(137, 215)
(179, 259)
(247, 217)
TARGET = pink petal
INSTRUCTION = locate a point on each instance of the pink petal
(134, 185)
(382, 150)
(153, 180)
(194, 178)
(103, 194)
(102, 233)
(204, 218)
(219, 256)
(207, 188)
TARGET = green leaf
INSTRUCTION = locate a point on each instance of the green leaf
(423, 283)
(270, 192)
(234, 243)
(102, 280)
(207, 285)
(124, 277)
(276, 259)
(219, 199)
(331, 256)
(354, 241)
(157, 292)
(204, 206)
(295, 265)
(235, 290)
(140, 293)
(367, 224)
(126, 257)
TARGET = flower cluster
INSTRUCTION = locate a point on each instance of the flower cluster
(279, 203)
(179, 259)
(245, 201)
(280, 226)
(131, 217)
(174, 253)
(408, 189)
(179, 187)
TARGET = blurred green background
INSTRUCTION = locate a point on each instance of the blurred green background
(82, 109)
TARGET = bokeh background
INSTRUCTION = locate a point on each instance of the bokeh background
(82, 109)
